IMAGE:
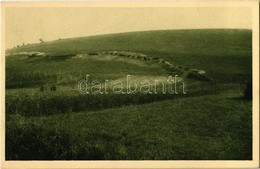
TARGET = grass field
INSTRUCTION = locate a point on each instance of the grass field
(64, 124)
(210, 50)
(204, 127)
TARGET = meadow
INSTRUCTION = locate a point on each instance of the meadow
(213, 121)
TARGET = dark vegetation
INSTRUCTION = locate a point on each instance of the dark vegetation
(248, 91)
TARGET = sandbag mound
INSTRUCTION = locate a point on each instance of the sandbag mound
(197, 74)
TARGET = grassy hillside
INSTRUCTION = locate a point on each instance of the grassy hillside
(25, 72)
(205, 127)
(213, 121)
(224, 53)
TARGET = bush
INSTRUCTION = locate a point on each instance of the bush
(248, 91)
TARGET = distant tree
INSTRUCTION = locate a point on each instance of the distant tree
(59, 38)
(41, 40)
(18, 46)
(23, 44)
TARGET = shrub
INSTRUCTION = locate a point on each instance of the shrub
(248, 91)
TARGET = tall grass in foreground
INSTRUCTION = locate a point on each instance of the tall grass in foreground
(195, 128)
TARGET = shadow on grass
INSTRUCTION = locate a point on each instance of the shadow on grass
(239, 98)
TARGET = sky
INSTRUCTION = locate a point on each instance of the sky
(29, 24)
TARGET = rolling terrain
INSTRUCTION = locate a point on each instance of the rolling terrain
(212, 50)
(211, 122)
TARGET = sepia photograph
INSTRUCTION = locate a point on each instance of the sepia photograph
(130, 84)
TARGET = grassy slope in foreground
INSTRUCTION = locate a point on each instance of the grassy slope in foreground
(205, 127)
(224, 53)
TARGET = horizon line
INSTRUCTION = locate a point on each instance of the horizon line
(117, 33)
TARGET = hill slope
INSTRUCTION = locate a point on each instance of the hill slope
(224, 53)
(210, 122)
